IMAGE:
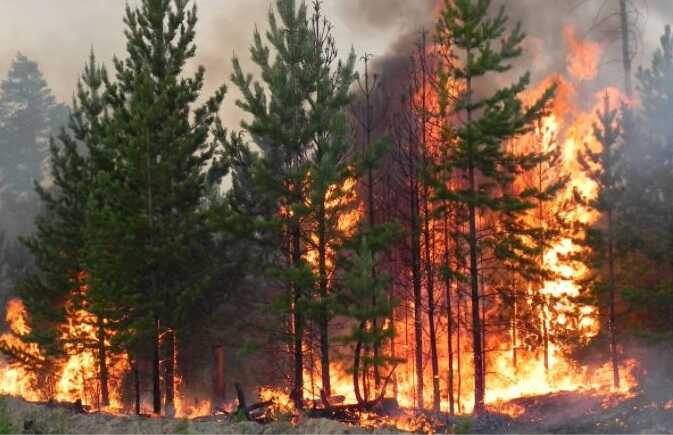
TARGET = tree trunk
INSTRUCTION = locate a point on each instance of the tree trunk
(449, 316)
(545, 336)
(102, 364)
(356, 368)
(436, 398)
(626, 52)
(298, 387)
(136, 385)
(169, 380)
(219, 385)
(611, 324)
(156, 375)
(476, 315)
(416, 277)
(514, 322)
(324, 315)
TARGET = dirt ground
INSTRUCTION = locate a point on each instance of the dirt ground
(568, 412)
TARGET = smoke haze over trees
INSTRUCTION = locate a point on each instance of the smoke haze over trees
(444, 202)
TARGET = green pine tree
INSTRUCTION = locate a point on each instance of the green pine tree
(147, 226)
(298, 134)
(359, 288)
(480, 155)
(58, 243)
(28, 114)
(331, 187)
(604, 168)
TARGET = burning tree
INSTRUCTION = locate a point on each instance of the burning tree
(305, 164)
(479, 154)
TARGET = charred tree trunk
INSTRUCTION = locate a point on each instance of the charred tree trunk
(356, 368)
(429, 273)
(102, 364)
(136, 385)
(436, 398)
(416, 278)
(298, 386)
(449, 315)
(169, 380)
(156, 375)
(514, 323)
(219, 385)
(324, 315)
(474, 283)
(611, 322)
(545, 336)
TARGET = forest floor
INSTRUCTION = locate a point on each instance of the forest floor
(566, 412)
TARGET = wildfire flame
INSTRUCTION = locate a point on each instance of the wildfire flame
(583, 56)
(569, 124)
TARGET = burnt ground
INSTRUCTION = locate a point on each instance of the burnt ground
(574, 412)
(565, 412)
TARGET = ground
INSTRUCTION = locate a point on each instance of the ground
(569, 412)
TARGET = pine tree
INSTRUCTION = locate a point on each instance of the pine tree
(28, 114)
(299, 126)
(646, 227)
(603, 168)
(480, 155)
(57, 246)
(360, 285)
(331, 186)
(147, 227)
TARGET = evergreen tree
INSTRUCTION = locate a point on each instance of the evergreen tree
(360, 286)
(646, 228)
(331, 187)
(604, 168)
(298, 124)
(28, 113)
(480, 155)
(57, 246)
(147, 227)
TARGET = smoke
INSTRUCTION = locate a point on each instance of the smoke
(544, 22)
(60, 35)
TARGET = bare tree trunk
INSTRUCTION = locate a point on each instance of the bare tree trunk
(626, 52)
(324, 315)
(514, 323)
(611, 325)
(416, 278)
(156, 375)
(219, 385)
(449, 316)
(136, 385)
(298, 387)
(169, 367)
(545, 336)
(474, 284)
(102, 364)
(356, 368)
(460, 264)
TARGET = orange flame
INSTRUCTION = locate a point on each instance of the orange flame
(583, 56)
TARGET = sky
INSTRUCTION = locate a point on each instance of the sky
(59, 34)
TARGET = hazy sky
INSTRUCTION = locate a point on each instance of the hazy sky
(58, 34)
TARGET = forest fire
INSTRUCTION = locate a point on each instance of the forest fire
(452, 254)
(512, 373)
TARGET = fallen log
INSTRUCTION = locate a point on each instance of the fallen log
(255, 412)
(75, 406)
(351, 413)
